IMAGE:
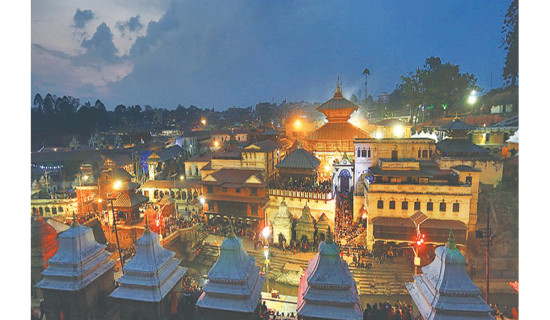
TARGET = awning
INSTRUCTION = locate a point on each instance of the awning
(404, 229)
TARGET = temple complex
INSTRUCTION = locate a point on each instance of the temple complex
(305, 228)
(44, 245)
(78, 278)
(149, 282)
(282, 224)
(445, 291)
(334, 138)
(234, 284)
(327, 289)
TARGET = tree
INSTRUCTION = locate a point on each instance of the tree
(510, 42)
(49, 104)
(100, 106)
(437, 87)
(38, 102)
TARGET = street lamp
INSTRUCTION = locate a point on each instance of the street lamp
(117, 186)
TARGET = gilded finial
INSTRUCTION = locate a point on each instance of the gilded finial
(231, 233)
(329, 236)
(75, 223)
(147, 229)
(338, 93)
(451, 242)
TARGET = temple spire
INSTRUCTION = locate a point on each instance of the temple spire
(451, 244)
(147, 229)
(338, 93)
(329, 236)
(75, 223)
(231, 233)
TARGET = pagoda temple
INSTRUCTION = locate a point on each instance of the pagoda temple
(44, 245)
(234, 284)
(334, 138)
(327, 289)
(282, 224)
(298, 164)
(305, 228)
(78, 276)
(445, 291)
(149, 282)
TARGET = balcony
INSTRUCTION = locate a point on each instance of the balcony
(320, 196)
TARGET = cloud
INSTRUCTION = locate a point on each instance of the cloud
(133, 24)
(101, 46)
(82, 17)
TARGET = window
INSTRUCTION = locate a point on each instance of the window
(394, 155)
(430, 206)
(224, 189)
(487, 138)
(469, 180)
(364, 153)
(368, 153)
(404, 205)
(238, 190)
(47, 209)
(431, 153)
(424, 153)
(456, 207)
(419, 153)
(417, 205)
(358, 153)
(442, 207)
(61, 209)
(380, 204)
(253, 191)
(392, 204)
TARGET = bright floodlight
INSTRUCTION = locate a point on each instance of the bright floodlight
(118, 184)
(202, 201)
(181, 177)
(99, 200)
(85, 177)
(203, 121)
(327, 167)
(297, 124)
(266, 254)
(472, 97)
(216, 144)
(265, 232)
(398, 131)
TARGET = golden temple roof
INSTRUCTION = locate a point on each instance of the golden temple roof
(337, 131)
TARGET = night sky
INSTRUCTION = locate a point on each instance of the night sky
(241, 52)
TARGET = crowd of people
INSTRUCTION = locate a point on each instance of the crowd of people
(307, 184)
(387, 311)
(346, 229)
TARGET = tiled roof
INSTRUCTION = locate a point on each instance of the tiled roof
(233, 177)
(270, 132)
(266, 145)
(169, 153)
(337, 131)
(459, 146)
(129, 199)
(200, 158)
(456, 124)
(299, 159)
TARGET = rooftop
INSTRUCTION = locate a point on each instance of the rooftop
(299, 159)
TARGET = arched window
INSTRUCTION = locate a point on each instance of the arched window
(47, 209)
(54, 210)
(60, 209)
(156, 194)
(34, 210)
(442, 207)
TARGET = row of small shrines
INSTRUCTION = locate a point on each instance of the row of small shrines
(79, 279)
(305, 228)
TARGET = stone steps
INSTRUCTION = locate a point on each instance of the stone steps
(382, 278)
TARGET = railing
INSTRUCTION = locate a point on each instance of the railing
(322, 196)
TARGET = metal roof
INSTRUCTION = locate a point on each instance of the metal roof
(299, 159)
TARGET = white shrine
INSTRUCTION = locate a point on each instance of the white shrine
(327, 289)
(234, 284)
(147, 280)
(78, 277)
(282, 224)
(445, 291)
